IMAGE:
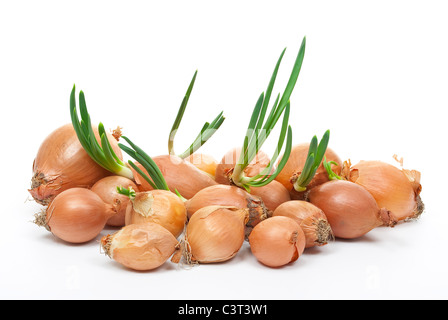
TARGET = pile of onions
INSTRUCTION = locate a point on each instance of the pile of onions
(351, 210)
(311, 219)
(142, 247)
(277, 241)
(62, 163)
(225, 195)
(280, 205)
(158, 206)
(76, 215)
(106, 188)
(295, 164)
(396, 190)
(214, 234)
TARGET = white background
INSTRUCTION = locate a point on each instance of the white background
(375, 73)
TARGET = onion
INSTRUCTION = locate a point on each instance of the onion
(351, 210)
(396, 190)
(179, 174)
(295, 164)
(224, 195)
(214, 234)
(62, 163)
(204, 162)
(142, 247)
(277, 241)
(159, 206)
(228, 162)
(273, 194)
(311, 219)
(106, 188)
(76, 215)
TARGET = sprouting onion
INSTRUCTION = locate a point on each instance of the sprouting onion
(207, 130)
(316, 153)
(155, 178)
(259, 129)
(102, 154)
(331, 174)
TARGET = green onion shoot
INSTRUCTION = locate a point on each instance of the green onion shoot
(260, 128)
(103, 154)
(316, 152)
(153, 174)
(204, 135)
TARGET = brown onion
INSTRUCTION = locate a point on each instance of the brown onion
(277, 241)
(159, 206)
(273, 194)
(62, 163)
(396, 190)
(179, 174)
(351, 210)
(215, 234)
(144, 246)
(106, 188)
(294, 167)
(224, 169)
(225, 195)
(311, 219)
(76, 215)
(204, 162)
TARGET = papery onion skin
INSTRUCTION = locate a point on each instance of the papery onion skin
(390, 186)
(215, 234)
(142, 247)
(204, 162)
(106, 188)
(158, 206)
(272, 194)
(179, 174)
(351, 210)
(76, 215)
(294, 167)
(277, 241)
(311, 219)
(62, 163)
(225, 167)
(226, 195)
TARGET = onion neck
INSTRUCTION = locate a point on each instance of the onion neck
(239, 179)
(387, 218)
(127, 192)
(109, 211)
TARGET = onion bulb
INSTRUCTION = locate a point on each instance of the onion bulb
(142, 247)
(277, 241)
(228, 162)
(273, 194)
(179, 174)
(159, 206)
(76, 215)
(106, 188)
(62, 163)
(225, 195)
(396, 190)
(294, 167)
(214, 234)
(311, 219)
(351, 210)
(204, 162)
